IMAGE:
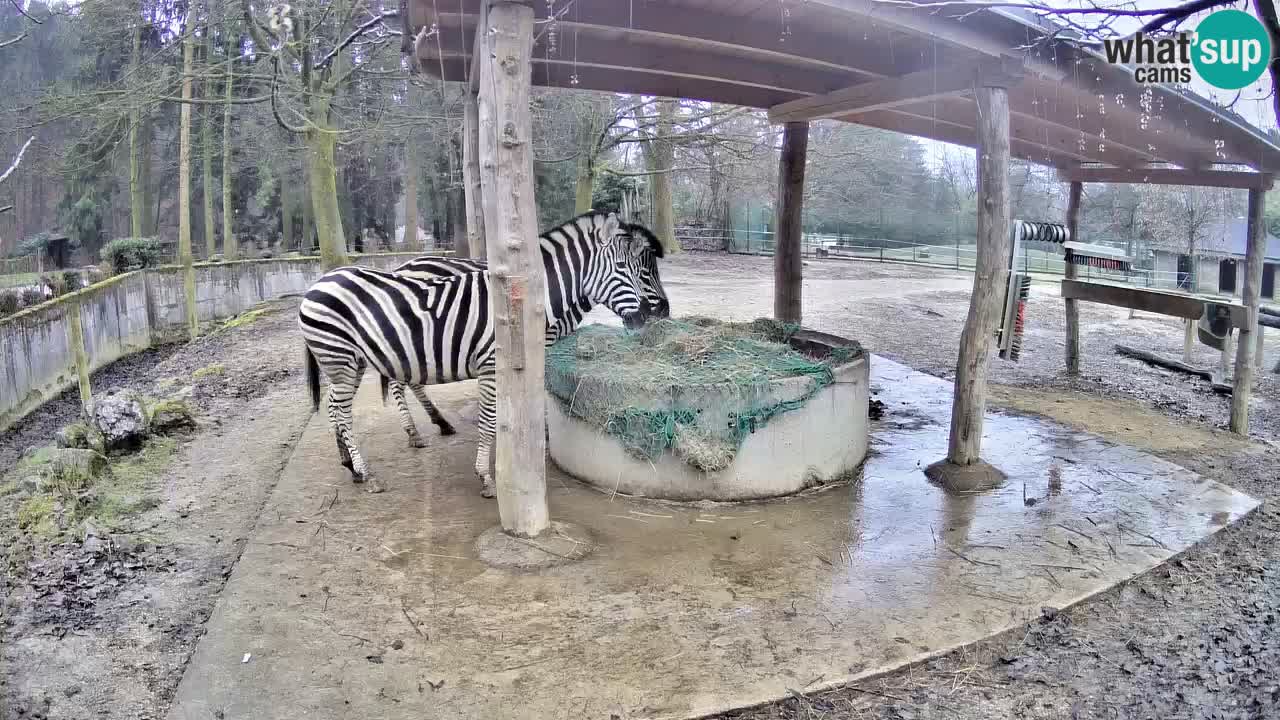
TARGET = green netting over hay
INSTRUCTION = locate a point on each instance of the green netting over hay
(695, 386)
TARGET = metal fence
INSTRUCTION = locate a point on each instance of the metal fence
(956, 256)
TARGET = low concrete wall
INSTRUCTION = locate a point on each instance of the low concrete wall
(132, 312)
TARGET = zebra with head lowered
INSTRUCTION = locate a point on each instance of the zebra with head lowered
(421, 331)
(429, 267)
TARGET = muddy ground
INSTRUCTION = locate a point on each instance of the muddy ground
(103, 629)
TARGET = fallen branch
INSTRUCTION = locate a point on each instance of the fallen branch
(1153, 359)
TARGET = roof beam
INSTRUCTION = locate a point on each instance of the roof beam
(959, 133)
(923, 22)
(878, 95)
(708, 31)
(1169, 176)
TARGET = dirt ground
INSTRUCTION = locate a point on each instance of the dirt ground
(105, 632)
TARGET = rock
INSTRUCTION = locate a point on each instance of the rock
(31, 484)
(122, 420)
(81, 435)
(167, 416)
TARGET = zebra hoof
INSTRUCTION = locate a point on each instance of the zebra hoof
(417, 442)
(446, 429)
(488, 492)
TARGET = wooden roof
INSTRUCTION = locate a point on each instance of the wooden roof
(902, 68)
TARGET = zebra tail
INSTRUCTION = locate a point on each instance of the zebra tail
(385, 384)
(313, 380)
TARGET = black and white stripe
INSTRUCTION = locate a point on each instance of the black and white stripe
(432, 330)
(430, 267)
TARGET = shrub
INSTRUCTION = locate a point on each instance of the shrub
(10, 303)
(127, 254)
(32, 297)
(72, 281)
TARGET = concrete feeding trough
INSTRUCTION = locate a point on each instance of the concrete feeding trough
(813, 432)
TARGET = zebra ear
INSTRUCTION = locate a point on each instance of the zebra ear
(612, 227)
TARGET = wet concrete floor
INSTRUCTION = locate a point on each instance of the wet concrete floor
(349, 605)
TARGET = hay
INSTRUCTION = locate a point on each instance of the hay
(663, 388)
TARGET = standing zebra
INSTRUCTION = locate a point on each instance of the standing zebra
(429, 267)
(430, 331)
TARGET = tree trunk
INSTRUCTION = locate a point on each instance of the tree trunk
(586, 185)
(323, 173)
(184, 190)
(206, 184)
(787, 263)
(517, 283)
(137, 195)
(471, 178)
(230, 248)
(989, 278)
(1252, 298)
(660, 154)
(411, 197)
(1072, 306)
(150, 198)
(287, 207)
(307, 243)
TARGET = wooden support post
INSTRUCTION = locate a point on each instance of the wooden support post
(515, 263)
(1259, 356)
(788, 266)
(989, 276)
(471, 176)
(75, 326)
(1073, 306)
(1188, 341)
(1252, 298)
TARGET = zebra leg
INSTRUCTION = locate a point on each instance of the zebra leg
(488, 428)
(406, 418)
(340, 397)
(446, 428)
(344, 455)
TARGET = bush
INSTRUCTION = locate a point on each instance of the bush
(32, 297)
(9, 303)
(127, 254)
(72, 281)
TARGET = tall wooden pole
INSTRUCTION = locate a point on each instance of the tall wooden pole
(989, 277)
(471, 176)
(1252, 298)
(787, 264)
(1073, 308)
(515, 264)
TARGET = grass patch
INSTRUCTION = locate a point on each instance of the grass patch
(35, 515)
(19, 280)
(245, 318)
(213, 370)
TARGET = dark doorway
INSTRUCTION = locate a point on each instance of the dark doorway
(1227, 277)
(1184, 272)
(1269, 280)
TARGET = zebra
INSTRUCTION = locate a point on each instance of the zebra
(430, 266)
(429, 331)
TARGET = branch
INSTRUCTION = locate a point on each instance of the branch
(355, 35)
(18, 160)
(18, 6)
(6, 208)
(275, 91)
(11, 41)
(1181, 13)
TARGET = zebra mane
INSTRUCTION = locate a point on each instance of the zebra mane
(644, 233)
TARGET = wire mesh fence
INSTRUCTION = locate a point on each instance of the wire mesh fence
(959, 256)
